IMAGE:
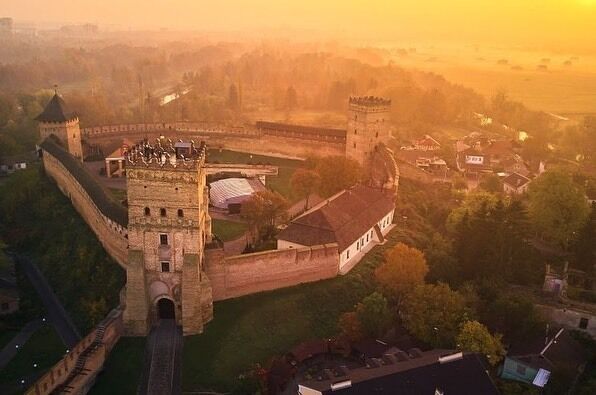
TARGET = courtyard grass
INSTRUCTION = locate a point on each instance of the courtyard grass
(228, 230)
(123, 369)
(254, 329)
(279, 183)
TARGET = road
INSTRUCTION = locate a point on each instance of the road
(57, 315)
(163, 360)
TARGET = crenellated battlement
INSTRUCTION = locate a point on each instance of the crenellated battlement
(166, 154)
(369, 104)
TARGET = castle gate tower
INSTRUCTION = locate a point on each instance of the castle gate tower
(168, 226)
(58, 120)
(367, 126)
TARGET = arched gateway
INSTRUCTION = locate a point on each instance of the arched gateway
(165, 309)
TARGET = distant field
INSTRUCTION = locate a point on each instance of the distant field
(554, 82)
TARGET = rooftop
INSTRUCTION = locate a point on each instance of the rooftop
(341, 219)
(314, 130)
(419, 373)
(56, 111)
(516, 180)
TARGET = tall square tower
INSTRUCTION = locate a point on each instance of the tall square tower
(58, 120)
(168, 227)
(367, 126)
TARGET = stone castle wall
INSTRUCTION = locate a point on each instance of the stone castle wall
(264, 271)
(244, 139)
(91, 352)
(110, 233)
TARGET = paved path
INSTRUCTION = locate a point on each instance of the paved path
(163, 360)
(56, 313)
(10, 350)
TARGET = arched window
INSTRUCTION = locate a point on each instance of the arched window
(180, 213)
(355, 131)
(147, 211)
(162, 212)
(354, 145)
(377, 134)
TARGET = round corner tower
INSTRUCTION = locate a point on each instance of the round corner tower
(168, 228)
(368, 126)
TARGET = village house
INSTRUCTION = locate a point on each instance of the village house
(478, 154)
(414, 372)
(427, 143)
(516, 184)
(535, 360)
(356, 219)
(10, 164)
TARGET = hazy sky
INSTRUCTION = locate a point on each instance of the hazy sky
(558, 23)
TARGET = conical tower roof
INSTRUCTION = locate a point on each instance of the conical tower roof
(56, 111)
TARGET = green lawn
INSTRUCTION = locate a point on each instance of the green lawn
(228, 230)
(279, 183)
(43, 348)
(123, 369)
(118, 194)
(255, 328)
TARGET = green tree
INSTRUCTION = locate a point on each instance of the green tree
(471, 204)
(337, 173)
(263, 211)
(404, 268)
(558, 207)
(304, 183)
(350, 326)
(584, 247)
(434, 313)
(492, 183)
(374, 315)
(475, 337)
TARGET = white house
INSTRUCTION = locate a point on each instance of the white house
(516, 184)
(356, 219)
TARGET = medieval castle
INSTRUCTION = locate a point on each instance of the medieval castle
(174, 266)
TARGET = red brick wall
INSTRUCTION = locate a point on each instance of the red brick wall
(263, 271)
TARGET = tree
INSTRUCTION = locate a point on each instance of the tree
(350, 326)
(475, 337)
(491, 183)
(471, 204)
(585, 247)
(304, 182)
(558, 207)
(490, 243)
(262, 212)
(337, 173)
(434, 313)
(374, 315)
(404, 268)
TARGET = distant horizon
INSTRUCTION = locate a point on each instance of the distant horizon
(552, 24)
